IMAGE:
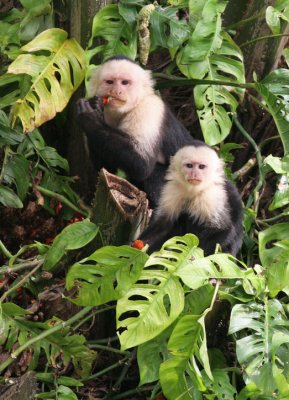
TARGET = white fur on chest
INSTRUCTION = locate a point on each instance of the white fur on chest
(209, 205)
(143, 123)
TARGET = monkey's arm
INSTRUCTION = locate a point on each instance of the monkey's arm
(116, 148)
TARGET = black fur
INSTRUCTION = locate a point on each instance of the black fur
(161, 228)
(112, 148)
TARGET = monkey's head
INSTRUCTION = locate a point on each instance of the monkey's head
(122, 82)
(196, 167)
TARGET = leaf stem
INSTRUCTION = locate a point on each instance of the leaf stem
(19, 267)
(96, 312)
(5, 160)
(107, 348)
(127, 365)
(245, 21)
(172, 81)
(130, 392)
(258, 157)
(4, 250)
(277, 35)
(22, 281)
(62, 199)
(103, 371)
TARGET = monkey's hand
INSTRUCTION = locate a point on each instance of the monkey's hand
(88, 117)
(97, 104)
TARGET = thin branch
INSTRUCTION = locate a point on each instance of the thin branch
(277, 35)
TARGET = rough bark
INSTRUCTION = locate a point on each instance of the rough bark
(120, 209)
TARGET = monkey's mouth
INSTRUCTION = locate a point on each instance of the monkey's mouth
(194, 181)
(113, 101)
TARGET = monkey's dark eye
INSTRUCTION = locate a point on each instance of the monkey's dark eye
(202, 166)
(109, 81)
(189, 165)
(125, 82)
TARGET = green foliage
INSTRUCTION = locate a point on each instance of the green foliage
(263, 352)
(164, 302)
(54, 77)
(163, 308)
(16, 329)
(72, 237)
(276, 14)
(105, 275)
(22, 25)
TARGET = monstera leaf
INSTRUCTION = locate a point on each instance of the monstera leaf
(157, 298)
(117, 36)
(105, 275)
(55, 65)
(274, 89)
(262, 344)
(211, 54)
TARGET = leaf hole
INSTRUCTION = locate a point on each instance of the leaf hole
(167, 303)
(47, 84)
(57, 73)
(137, 297)
(129, 314)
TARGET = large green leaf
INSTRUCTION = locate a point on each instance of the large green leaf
(275, 91)
(262, 331)
(157, 299)
(54, 77)
(114, 33)
(150, 356)
(72, 237)
(275, 14)
(8, 198)
(268, 238)
(17, 171)
(195, 273)
(212, 54)
(105, 275)
(274, 255)
(166, 29)
(174, 382)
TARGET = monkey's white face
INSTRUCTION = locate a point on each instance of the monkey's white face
(194, 171)
(123, 83)
(198, 166)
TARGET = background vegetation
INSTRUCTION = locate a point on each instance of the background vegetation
(188, 326)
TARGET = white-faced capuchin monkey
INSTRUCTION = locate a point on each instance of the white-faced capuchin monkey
(129, 127)
(197, 198)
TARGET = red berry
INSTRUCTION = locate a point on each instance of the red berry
(58, 208)
(138, 244)
(105, 100)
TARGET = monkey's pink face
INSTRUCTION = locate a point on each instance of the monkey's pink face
(122, 84)
(116, 90)
(194, 171)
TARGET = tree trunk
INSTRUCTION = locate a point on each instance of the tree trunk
(80, 16)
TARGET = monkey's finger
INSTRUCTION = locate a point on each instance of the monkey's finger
(83, 106)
